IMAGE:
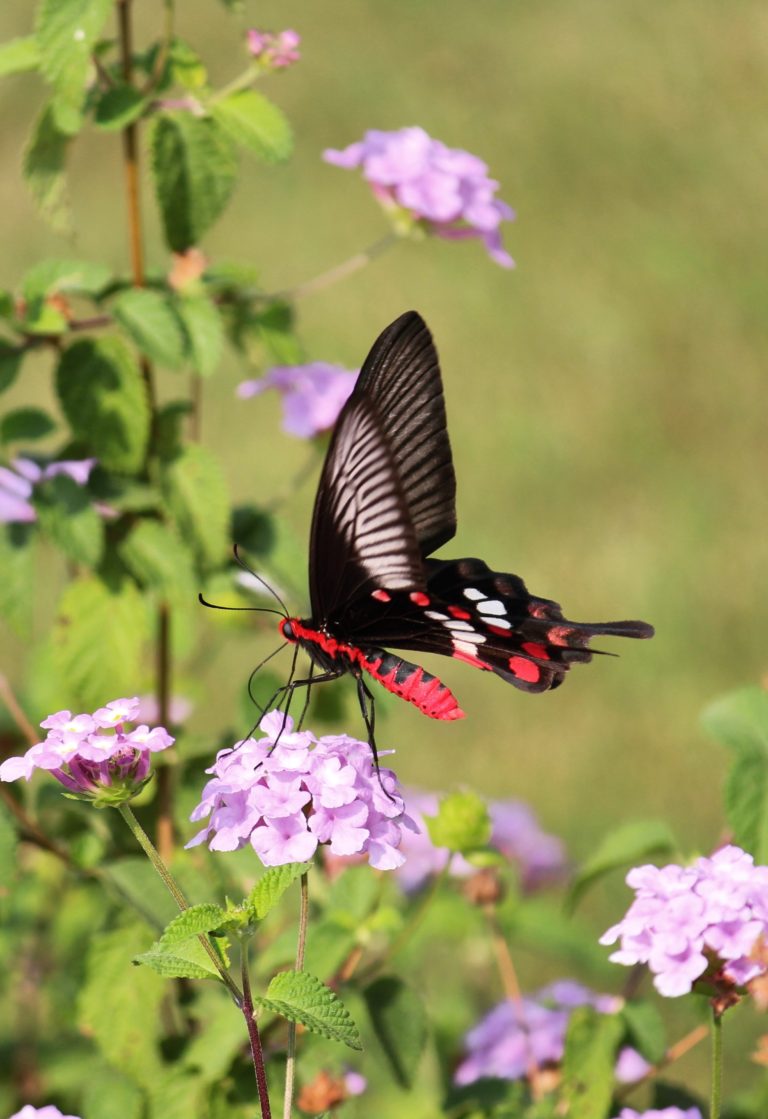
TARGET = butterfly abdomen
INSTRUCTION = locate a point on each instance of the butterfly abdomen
(411, 682)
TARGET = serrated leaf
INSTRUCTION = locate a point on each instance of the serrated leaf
(98, 640)
(399, 1021)
(19, 55)
(18, 581)
(109, 1095)
(25, 424)
(185, 66)
(151, 322)
(192, 922)
(646, 1029)
(462, 822)
(205, 332)
(271, 886)
(196, 494)
(185, 961)
(255, 123)
(638, 839)
(66, 33)
(590, 1055)
(194, 167)
(104, 398)
(746, 803)
(158, 559)
(10, 363)
(740, 720)
(44, 166)
(67, 516)
(301, 997)
(118, 107)
(126, 1039)
(50, 276)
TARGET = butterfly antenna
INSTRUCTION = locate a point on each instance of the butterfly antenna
(249, 609)
(260, 579)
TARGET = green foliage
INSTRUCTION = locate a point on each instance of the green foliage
(18, 581)
(66, 33)
(10, 363)
(55, 275)
(399, 1021)
(8, 844)
(188, 960)
(104, 398)
(462, 823)
(25, 425)
(159, 560)
(18, 55)
(625, 846)
(590, 1055)
(150, 320)
(270, 888)
(66, 514)
(109, 1095)
(256, 124)
(204, 331)
(740, 720)
(195, 491)
(119, 106)
(198, 919)
(645, 1026)
(44, 169)
(194, 166)
(301, 997)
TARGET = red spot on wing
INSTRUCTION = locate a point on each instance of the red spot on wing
(418, 598)
(499, 631)
(534, 650)
(523, 669)
(468, 658)
(457, 612)
(382, 596)
(537, 610)
(559, 635)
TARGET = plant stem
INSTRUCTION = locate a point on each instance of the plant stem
(693, 1038)
(715, 1100)
(257, 1053)
(290, 1064)
(15, 710)
(131, 149)
(339, 271)
(165, 774)
(242, 81)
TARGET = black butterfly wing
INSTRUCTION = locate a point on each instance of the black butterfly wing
(387, 491)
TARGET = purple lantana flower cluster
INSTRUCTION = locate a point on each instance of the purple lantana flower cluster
(95, 757)
(274, 50)
(517, 1036)
(686, 921)
(446, 189)
(313, 394)
(48, 1112)
(660, 1113)
(289, 791)
(17, 483)
(516, 833)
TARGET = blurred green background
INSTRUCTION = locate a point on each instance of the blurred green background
(605, 399)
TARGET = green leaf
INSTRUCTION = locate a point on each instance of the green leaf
(746, 804)
(590, 1055)
(19, 55)
(740, 720)
(98, 640)
(462, 823)
(399, 1021)
(177, 1094)
(646, 1029)
(118, 107)
(150, 321)
(192, 922)
(353, 895)
(50, 276)
(186, 67)
(221, 1022)
(196, 493)
(270, 888)
(255, 123)
(126, 1039)
(44, 166)
(194, 166)
(66, 514)
(103, 395)
(159, 560)
(17, 585)
(25, 424)
(66, 33)
(186, 961)
(205, 332)
(301, 997)
(10, 363)
(109, 1095)
(168, 435)
(638, 839)
(275, 328)
(139, 886)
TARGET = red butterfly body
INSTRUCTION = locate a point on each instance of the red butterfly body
(385, 503)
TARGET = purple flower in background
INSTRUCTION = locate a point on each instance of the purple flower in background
(274, 50)
(447, 189)
(631, 1066)
(660, 1113)
(106, 768)
(289, 791)
(685, 921)
(516, 833)
(18, 481)
(313, 394)
(48, 1112)
(518, 1036)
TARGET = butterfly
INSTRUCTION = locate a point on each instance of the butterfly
(385, 503)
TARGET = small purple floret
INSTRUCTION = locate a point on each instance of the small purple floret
(660, 1113)
(313, 394)
(274, 50)
(18, 481)
(447, 189)
(686, 921)
(48, 1112)
(289, 791)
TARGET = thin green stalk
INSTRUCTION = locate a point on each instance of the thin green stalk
(339, 271)
(290, 1064)
(716, 1095)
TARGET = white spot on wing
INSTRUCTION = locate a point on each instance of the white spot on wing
(467, 647)
(473, 593)
(493, 606)
(436, 616)
(457, 624)
(500, 623)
